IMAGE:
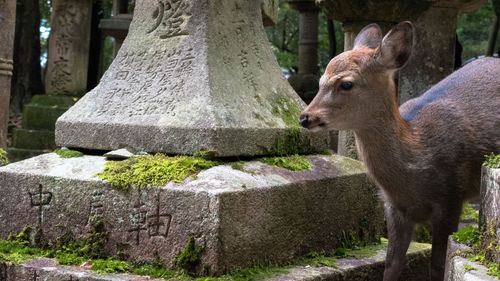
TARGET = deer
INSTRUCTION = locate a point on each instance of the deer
(426, 155)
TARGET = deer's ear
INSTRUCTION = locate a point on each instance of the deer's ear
(396, 46)
(369, 37)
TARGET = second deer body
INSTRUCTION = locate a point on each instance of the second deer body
(425, 156)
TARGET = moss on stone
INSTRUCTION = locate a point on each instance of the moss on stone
(67, 153)
(189, 258)
(293, 142)
(156, 170)
(237, 165)
(287, 111)
(469, 267)
(3, 158)
(293, 163)
(492, 161)
(206, 154)
(327, 152)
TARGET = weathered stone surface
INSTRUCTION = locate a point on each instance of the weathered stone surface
(33, 139)
(198, 76)
(455, 270)
(489, 213)
(8, 21)
(263, 214)
(270, 10)
(69, 43)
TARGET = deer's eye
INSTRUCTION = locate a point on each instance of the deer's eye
(347, 85)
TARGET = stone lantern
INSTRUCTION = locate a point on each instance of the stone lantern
(434, 52)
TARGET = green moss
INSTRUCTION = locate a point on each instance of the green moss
(293, 142)
(110, 266)
(3, 158)
(293, 163)
(237, 165)
(468, 213)
(67, 153)
(206, 154)
(189, 258)
(287, 111)
(469, 267)
(468, 235)
(494, 270)
(327, 152)
(492, 161)
(156, 170)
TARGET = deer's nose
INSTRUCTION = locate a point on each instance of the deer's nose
(304, 120)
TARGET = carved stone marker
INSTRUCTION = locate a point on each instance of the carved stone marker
(257, 214)
(69, 47)
(489, 213)
(191, 75)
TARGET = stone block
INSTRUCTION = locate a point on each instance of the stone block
(18, 154)
(260, 214)
(200, 78)
(41, 117)
(33, 139)
(489, 212)
(270, 10)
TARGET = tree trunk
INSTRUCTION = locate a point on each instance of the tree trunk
(26, 79)
(331, 38)
(492, 38)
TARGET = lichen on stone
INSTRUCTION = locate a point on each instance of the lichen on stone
(156, 170)
(3, 158)
(293, 162)
(293, 142)
(287, 111)
(67, 153)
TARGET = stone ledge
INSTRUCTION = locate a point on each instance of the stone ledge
(457, 271)
(370, 268)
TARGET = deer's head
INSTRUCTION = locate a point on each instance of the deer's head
(357, 85)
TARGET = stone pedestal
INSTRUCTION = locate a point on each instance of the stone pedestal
(68, 47)
(258, 214)
(489, 213)
(197, 76)
(8, 21)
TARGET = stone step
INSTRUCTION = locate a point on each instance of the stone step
(254, 214)
(43, 110)
(33, 139)
(348, 269)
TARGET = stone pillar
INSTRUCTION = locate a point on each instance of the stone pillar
(306, 81)
(69, 47)
(199, 75)
(7, 21)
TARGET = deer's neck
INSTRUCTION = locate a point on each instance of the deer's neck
(391, 151)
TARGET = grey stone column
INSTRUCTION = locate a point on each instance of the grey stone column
(69, 47)
(7, 21)
(306, 81)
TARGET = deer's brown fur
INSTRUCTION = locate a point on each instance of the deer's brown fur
(426, 155)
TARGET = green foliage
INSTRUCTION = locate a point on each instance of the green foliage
(469, 267)
(206, 154)
(3, 158)
(494, 270)
(66, 153)
(468, 235)
(469, 213)
(492, 161)
(189, 258)
(327, 152)
(473, 30)
(293, 163)
(422, 234)
(237, 165)
(110, 266)
(18, 252)
(156, 170)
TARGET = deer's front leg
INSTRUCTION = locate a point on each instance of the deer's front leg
(442, 226)
(400, 230)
